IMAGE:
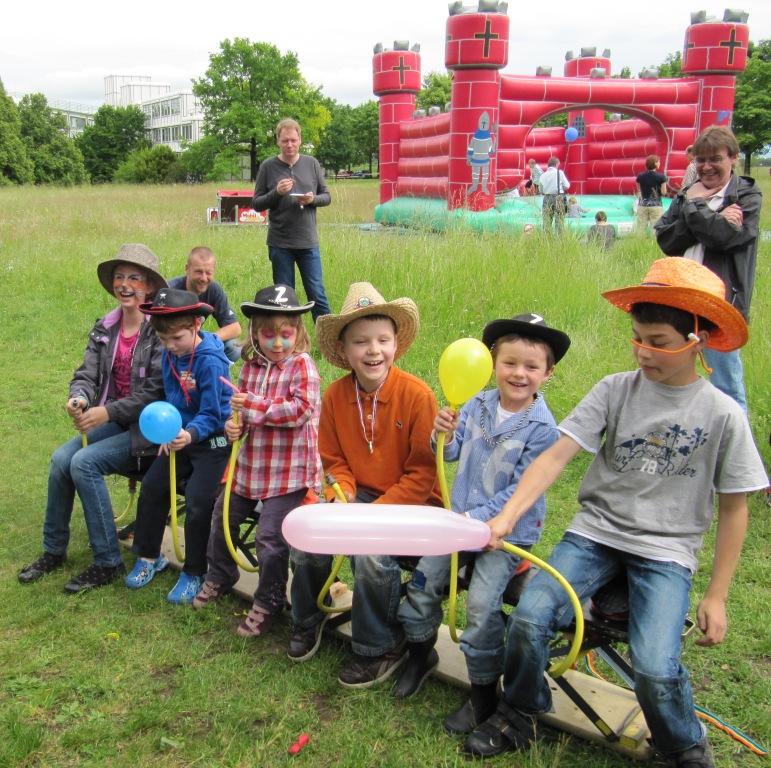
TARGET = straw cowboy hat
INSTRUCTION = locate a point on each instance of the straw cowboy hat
(175, 302)
(363, 300)
(687, 285)
(131, 253)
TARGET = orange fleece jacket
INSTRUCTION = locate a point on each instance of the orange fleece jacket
(401, 467)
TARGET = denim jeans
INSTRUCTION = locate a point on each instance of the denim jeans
(74, 468)
(658, 602)
(377, 584)
(482, 639)
(200, 466)
(232, 350)
(308, 261)
(727, 374)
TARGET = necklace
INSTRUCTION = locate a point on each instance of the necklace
(487, 425)
(183, 379)
(370, 441)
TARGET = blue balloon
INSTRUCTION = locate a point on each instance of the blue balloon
(160, 422)
(571, 134)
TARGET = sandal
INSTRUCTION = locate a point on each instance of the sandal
(255, 624)
(209, 593)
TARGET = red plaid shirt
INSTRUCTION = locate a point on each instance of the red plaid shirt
(280, 450)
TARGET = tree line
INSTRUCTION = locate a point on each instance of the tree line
(247, 88)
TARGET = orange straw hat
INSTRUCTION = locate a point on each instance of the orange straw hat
(363, 300)
(687, 285)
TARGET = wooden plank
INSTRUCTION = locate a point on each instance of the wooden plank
(617, 706)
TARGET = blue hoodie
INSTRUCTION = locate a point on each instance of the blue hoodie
(209, 407)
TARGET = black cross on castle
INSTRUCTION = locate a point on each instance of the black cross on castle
(731, 43)
(401, 68)
(487, 36)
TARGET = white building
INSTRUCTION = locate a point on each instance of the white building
(170, 118)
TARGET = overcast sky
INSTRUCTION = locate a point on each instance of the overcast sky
(64, 50)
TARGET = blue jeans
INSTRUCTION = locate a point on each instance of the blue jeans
(375, 627)
(727, 374)
(74, 468)
(308, 261)
(482, 639)
(232, 350)
(658, 602)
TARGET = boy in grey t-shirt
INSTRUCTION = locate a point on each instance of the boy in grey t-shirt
(664, 440)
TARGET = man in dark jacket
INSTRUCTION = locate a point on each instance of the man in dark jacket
(715, 221)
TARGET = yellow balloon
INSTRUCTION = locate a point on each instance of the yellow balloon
(464, 368)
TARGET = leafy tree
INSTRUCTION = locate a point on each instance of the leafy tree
(115, 134)
(56, 158)
(624, 74)
(436, 90)
(336, 147)
(198, 159)
(247, 89)
(366, 128)
(157, 165)
(752, 111)
(672, 66)
(15, 165)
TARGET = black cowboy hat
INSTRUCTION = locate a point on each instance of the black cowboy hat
(173, 302)
(276, 299)
(531, 326)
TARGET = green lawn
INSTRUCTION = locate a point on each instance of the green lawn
(115, 678)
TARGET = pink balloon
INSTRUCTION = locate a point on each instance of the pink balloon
(381, 529)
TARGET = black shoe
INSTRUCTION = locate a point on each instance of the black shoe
(506, 729)
(303, 643)
(366, 671)
(94, 576)
(421, 662)
(699, 756)
(478, 707)
(41, 567)
(127, 531)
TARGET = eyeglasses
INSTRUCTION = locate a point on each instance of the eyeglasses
(694, 340)
(133, 280)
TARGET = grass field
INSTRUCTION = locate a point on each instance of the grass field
(118, 679)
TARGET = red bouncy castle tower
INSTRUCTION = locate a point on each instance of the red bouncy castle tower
(477, 48)
(715, 52)
(396, 80)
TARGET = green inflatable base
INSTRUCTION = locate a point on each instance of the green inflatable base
(509, 215)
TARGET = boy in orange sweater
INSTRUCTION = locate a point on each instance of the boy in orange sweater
(374, 438)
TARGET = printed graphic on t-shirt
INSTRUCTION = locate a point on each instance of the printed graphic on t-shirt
(187, 379)
(665, 452)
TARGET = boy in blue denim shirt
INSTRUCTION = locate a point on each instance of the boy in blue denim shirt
(494, 437)
(664, 441)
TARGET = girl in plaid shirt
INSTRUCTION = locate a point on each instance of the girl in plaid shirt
(278, 405)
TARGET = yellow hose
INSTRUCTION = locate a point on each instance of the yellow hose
(556, 669)
(173, 505)
(337, 563)
(243, 564)
(132, 489)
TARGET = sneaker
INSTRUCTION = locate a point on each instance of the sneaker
(699, 756)
(144, 570)
(255, 624)
(40, 567)
(94, 576)
(506, 729)
(303, 643)
(209, 593)
(185, 590)
(366, 671)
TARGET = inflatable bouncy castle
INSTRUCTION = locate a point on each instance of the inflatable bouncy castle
(452, 162)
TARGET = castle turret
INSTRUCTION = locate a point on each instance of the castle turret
(477, 48)
(715, 51)
(396, 80)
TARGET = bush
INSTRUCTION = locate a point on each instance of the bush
(157, 165)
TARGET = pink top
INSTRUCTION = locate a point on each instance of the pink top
(121, 367)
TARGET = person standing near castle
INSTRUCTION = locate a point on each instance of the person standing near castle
(290, 187)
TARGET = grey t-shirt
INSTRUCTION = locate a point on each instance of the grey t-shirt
(660, 453)
(290, 225)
